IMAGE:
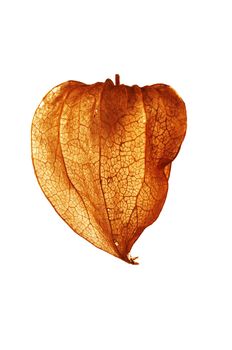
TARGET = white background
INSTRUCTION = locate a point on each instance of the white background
(58, 291)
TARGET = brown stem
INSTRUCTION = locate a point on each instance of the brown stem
(117, 79)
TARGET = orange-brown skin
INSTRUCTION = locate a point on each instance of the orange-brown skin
(102, 156)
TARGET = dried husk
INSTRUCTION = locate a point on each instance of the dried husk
(102, 155)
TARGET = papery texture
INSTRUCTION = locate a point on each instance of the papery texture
(102, 155)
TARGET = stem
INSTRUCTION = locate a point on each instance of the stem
(117, 79)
